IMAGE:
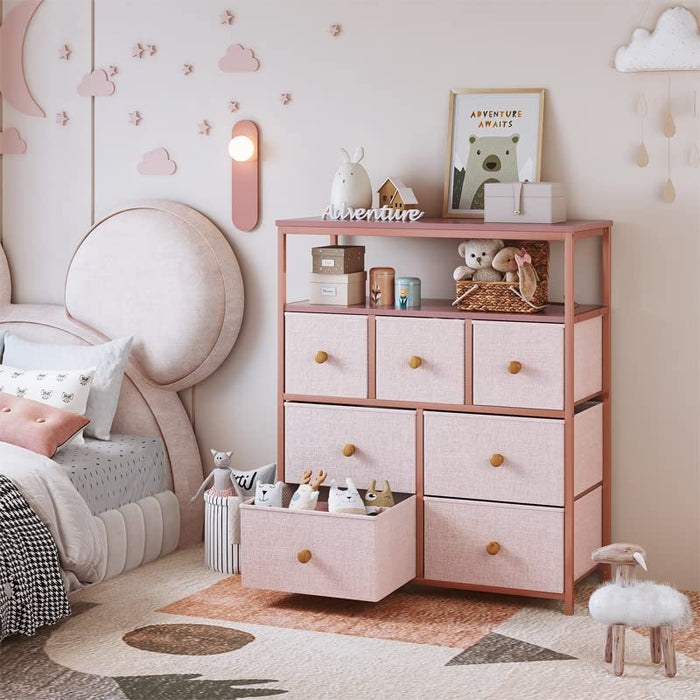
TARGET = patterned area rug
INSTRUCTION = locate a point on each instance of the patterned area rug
(173, 630)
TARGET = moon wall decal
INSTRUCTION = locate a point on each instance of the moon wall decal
(13, 85)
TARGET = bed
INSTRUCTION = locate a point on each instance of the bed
(163, 273)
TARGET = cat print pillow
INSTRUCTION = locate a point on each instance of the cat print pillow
(67, 389)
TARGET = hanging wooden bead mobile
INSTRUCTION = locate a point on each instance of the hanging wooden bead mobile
(669, 192)
(642, 153)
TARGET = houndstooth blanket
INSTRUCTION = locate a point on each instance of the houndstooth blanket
(31, 587)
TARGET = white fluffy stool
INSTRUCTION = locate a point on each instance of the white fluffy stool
(628, 603)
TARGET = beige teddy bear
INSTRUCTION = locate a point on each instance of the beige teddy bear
(478, 256)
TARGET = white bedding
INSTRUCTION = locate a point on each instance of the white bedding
(80, 538)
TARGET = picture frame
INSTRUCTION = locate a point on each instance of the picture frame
(509, 122)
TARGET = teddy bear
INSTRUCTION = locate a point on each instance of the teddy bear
(491, 159)
(478, 255)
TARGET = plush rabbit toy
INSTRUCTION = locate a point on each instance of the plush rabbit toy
(351, 185)
(345, 500)
(220, 475)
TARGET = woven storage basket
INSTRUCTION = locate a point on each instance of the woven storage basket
(499, 296)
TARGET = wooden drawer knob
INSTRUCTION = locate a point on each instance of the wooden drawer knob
(493, 548)
(348, 450)
(496, 460)
(304, 556)
(414, 362)
(321, 357)
(514, 366)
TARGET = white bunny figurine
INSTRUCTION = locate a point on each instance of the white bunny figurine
(351, 185)
(345, 500)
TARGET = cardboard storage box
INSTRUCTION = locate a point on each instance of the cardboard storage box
(337, 290)
(338, 259)
(524, 202)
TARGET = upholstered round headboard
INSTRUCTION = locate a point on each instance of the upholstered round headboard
(5, 279)
(163, 273)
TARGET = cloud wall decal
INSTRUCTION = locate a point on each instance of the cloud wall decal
(157, 162)
(673, 45)
(238, 59)
(96, 84)
(11, 143)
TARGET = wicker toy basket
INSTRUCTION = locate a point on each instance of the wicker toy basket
(502, 296)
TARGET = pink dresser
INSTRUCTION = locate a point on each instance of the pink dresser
(493, 430)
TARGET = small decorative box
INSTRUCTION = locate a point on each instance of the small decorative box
(338, 259)
(337, 290)
(524, 202)
(407, 293)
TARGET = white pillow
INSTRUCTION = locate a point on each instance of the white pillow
(61, 389)
(109, 359)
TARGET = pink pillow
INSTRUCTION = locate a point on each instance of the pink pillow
(37, 426)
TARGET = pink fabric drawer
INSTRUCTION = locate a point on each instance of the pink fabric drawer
(588, 448)
(439, 343)
(531, 540)
(539, 347)
(384, 441)
(343, 338)
(358, 557)
(588, 358)
(588, 530)
(459, 447)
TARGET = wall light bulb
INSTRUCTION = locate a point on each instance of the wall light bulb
(241, 148)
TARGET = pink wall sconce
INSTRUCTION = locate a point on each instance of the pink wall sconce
(244, 151)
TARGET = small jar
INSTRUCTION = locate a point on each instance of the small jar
(407, 293)
(381, 286)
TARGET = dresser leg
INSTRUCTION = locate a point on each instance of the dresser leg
(655, 644)
(618, 649)
(608, 644)
(569, 602)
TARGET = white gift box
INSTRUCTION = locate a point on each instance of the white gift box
(337, 290)
(524, 202)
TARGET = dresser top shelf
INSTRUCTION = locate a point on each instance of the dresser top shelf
(446, 228)
(442, 308)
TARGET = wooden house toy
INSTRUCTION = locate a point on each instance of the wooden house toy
(394, 194)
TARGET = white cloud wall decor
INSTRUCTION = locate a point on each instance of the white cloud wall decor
(673, 45)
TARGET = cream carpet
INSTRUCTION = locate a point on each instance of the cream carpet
(173, 630)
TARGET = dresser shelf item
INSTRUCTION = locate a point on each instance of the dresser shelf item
(442, 308)
(400, 388)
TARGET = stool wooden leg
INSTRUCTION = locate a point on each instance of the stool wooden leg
(608, 645)
(618, 649)
(655, 644)
(669, 650)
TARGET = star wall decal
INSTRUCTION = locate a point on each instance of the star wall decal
(204, 128)
(137, 51)
(62, 118)
(187, 68)
(134, 118)
(151, 48)
(285, 98)
(112, 71)
(65, 52)
(334, 30)
(227, 18)
(233, 106)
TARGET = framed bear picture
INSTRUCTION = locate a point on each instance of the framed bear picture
(494, 136)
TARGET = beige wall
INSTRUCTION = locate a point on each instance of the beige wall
(339, 99)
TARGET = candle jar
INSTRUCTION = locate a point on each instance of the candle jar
(381, 286)
(407, 293)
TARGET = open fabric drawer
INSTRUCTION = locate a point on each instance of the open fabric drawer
(358, 557)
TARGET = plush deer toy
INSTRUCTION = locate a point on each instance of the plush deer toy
(306, 496)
